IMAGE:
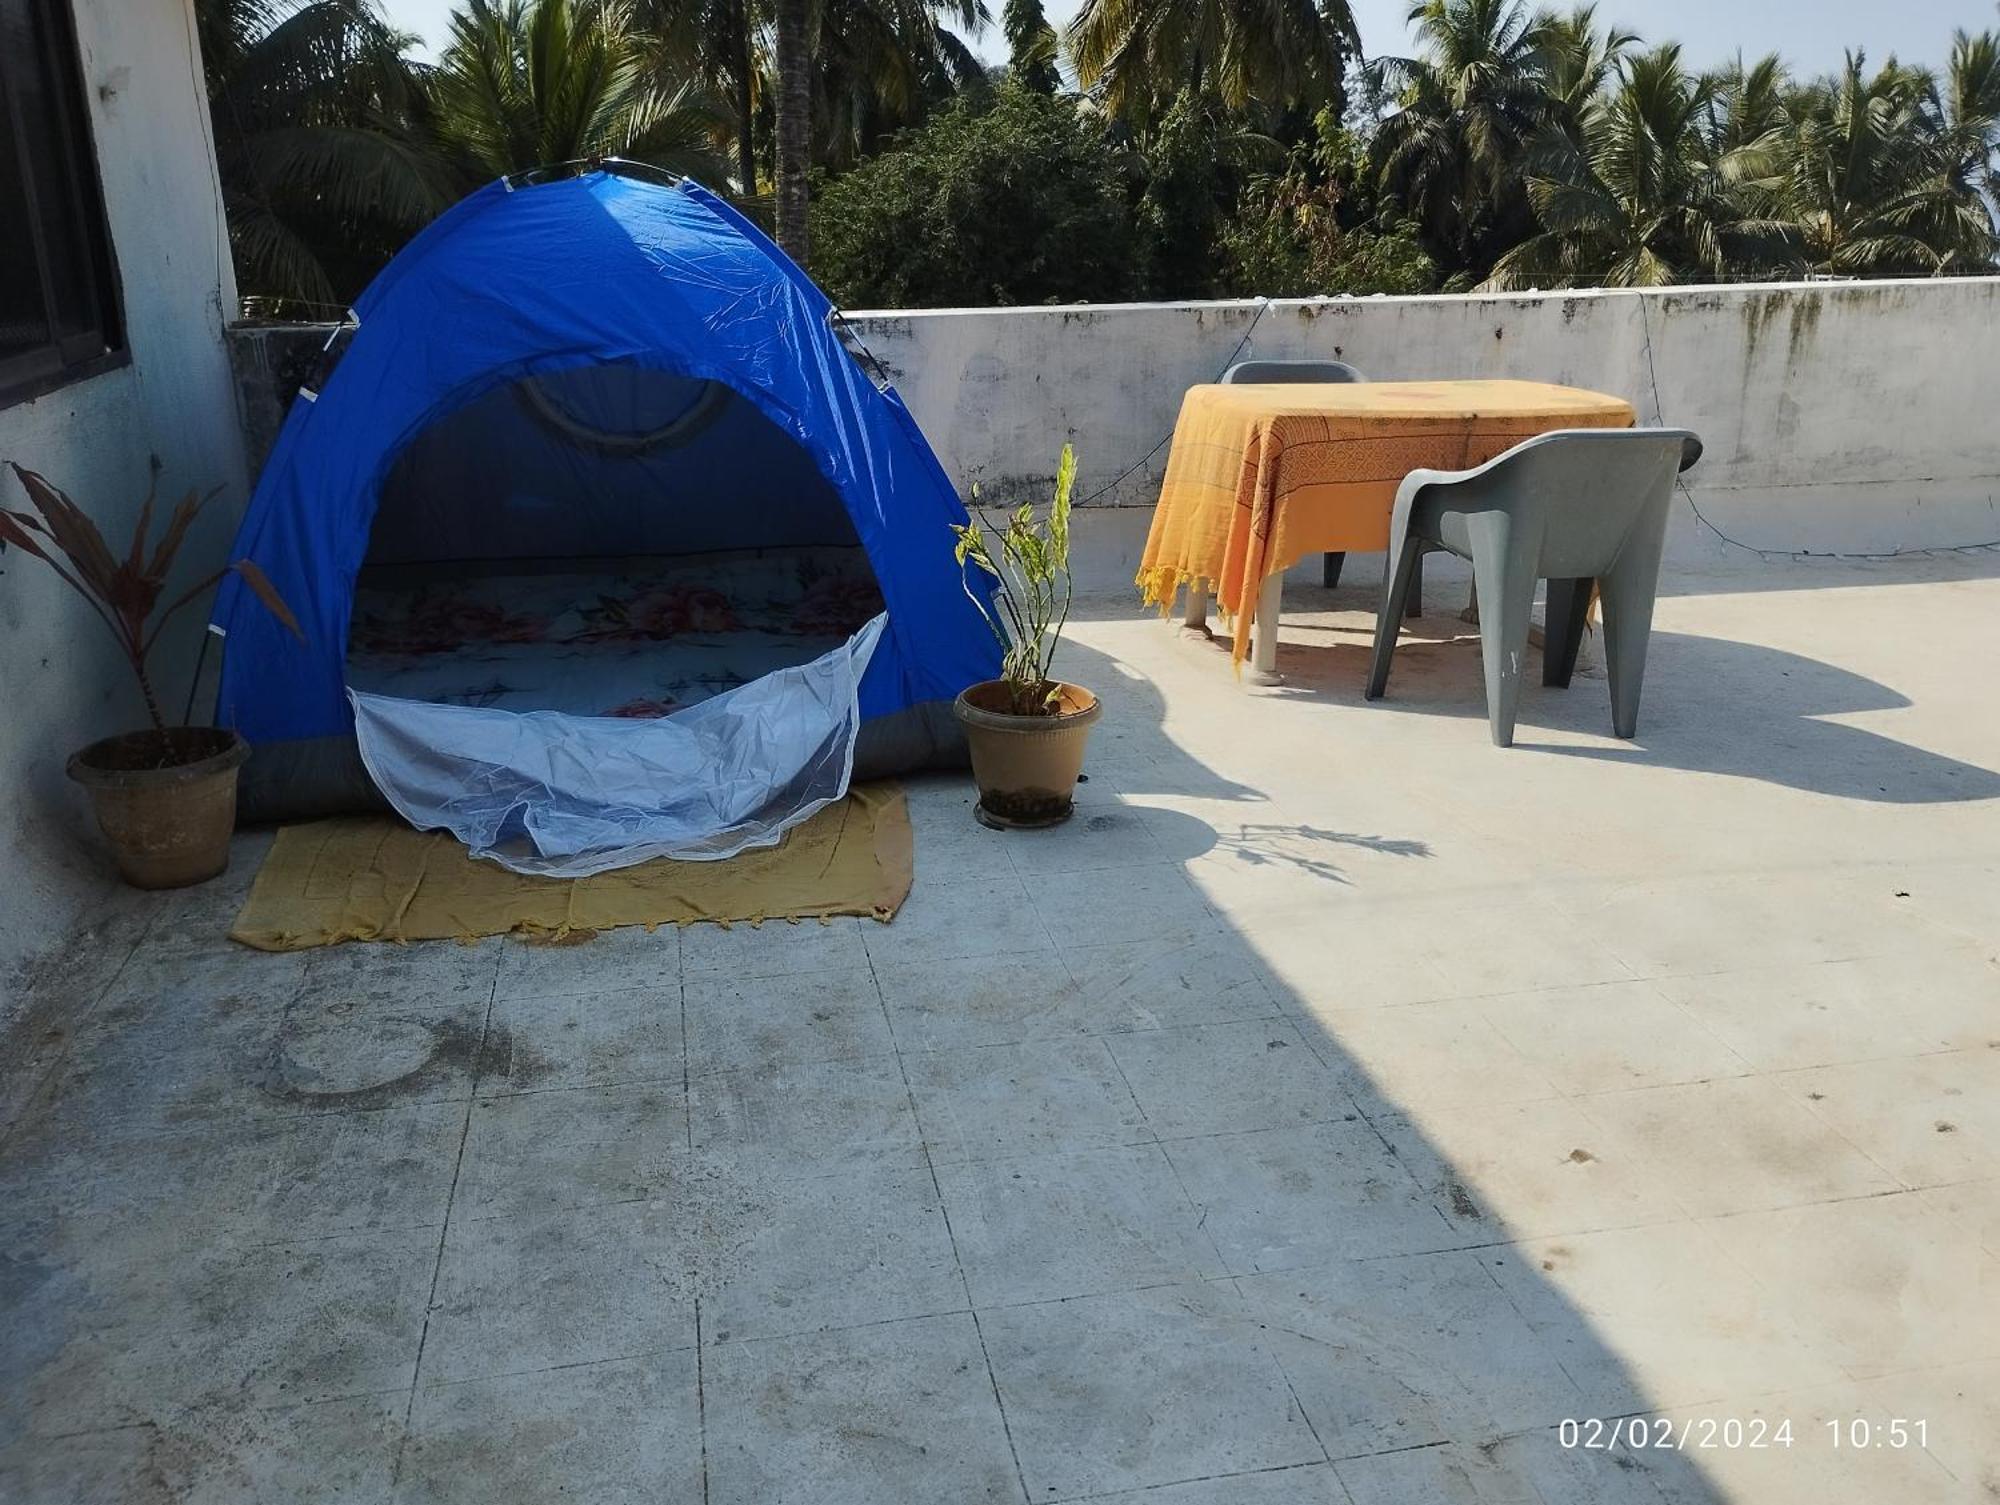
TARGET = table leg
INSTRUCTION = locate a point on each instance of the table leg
(1195, 618)
(1264, 632)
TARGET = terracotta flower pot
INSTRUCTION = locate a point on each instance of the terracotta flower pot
(1025, 766)
(166, 806)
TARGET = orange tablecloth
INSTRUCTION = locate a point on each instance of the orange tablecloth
(1259, 477)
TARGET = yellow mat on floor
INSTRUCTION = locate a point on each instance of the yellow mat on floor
(372, 878)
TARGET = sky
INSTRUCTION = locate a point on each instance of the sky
(1811, 34)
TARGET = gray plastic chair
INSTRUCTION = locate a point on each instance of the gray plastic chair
(1274, 372)
(1311, 371)
(1575, 507)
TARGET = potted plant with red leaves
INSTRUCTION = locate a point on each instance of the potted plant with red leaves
(165, 796)
(1027, 729)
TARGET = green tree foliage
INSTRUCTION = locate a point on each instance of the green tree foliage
(1018, 198)
(720, 43)
(1467, 105)
(1971, 105)
(1548, 150)
(1578, 59)
(1139, 55)
(1879, 179)
(1633, 198)
(1191, 165)
(325, 140)
(882, 66)
(1031, 46)
(1302, 232)
(530, 83)
(1211, 151)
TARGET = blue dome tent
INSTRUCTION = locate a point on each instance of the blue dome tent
(604, 547)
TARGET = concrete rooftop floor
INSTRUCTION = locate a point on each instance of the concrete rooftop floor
(1331, 1110)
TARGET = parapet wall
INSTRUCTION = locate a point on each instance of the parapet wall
(1852, 417)
(1838, 417)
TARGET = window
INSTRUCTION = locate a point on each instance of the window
(58, 293)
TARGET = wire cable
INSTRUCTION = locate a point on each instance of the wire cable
(1659, 414)
(1263, 305)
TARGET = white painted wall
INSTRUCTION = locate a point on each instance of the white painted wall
(1842, 417)
(61, 684)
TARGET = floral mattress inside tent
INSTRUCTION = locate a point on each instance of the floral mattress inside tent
(637, 638)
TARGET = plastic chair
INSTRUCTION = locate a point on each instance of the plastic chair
(1577, 507)
(1310, 371)
(1275, 372)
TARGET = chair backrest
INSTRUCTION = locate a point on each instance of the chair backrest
(1290, 371)
(1585, 490)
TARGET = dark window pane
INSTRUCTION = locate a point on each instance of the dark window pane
(45, 151)
(58, 308)
(24, 319)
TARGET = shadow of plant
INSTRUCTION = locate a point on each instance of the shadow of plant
(1270, 845)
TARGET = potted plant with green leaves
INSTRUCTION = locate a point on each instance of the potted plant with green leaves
(1026, 730)
(165, 796)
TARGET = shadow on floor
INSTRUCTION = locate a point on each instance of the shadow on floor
(1712, 705)
(1279, 1286)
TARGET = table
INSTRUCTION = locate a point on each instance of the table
(1260, 477)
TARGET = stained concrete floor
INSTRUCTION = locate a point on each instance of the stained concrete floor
(1330, 1112)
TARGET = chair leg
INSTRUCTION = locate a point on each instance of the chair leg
(1503, 568)
(1416, 607)
(1389, 619)
(1329, 569)
(1562, 636)
(1628, 591)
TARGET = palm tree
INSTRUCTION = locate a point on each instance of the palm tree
(875, 66)
(1636, 202)
(532, 83)
(849, 72)
(793, 61)
(1748, 105)
(1140, 55)
(720, 42)
(324, 142)
(1031, 46)
(1467, 105)
(1578, 57)
(1972, 104)
(1877, 177)
(1744, 128)
(881, 65)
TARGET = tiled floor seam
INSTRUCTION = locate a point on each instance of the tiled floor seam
(700, 1392)
(794, 1334)
(73, 1032)
(1588, 1232)
(687, 1066)
(1200, 1209)
(594, 1086)
(1584, 1099)
(637, 1355)
(1357, 1115)
(1147, 1489)
(444, 1232)
(1293, 1391)
(957, 1263)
